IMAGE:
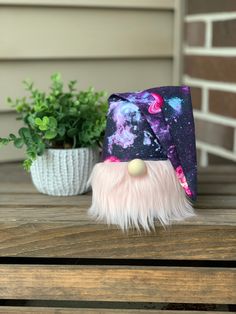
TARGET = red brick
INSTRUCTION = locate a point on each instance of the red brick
(215, 134)
(196, 94)
(195, 33)
(222, 103)
(224, 33)
(209, 6)
(211, 68)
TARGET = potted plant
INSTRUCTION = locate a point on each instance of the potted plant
(62, 133)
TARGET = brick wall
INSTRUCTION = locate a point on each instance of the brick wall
(210, 69)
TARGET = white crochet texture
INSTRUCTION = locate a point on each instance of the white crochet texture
(64, 172)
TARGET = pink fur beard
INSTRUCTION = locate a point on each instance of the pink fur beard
(127, 201)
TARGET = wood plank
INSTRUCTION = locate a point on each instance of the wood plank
(17, 188)
(218, 169)
(78, 215)
(137, 4)
(89, 27)
(216, 189)
(217, 177)
(11, 173)
(79, 239)
(83, 201)
(117, 283)
(34, 225)
(11, 168)
(216, 201)
(49, 310)
(26, 185)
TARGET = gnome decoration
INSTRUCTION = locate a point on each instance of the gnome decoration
(149, 159)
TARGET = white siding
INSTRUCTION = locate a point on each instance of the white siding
(111, 45)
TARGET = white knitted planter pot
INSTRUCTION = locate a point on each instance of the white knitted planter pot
(64, 171)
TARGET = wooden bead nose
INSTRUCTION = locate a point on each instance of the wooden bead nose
(137, 167)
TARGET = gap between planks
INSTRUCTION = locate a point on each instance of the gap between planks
(84, 201)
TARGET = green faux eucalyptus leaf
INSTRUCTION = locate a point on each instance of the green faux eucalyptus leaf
(25, 133)
(38, 121)
(52, 122)
(40, 149)
(50, 134)
(18, 142)
(64, 117)
(12, 136)
(72, 132)
(4, 141)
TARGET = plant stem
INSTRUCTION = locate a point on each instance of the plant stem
(74, 142)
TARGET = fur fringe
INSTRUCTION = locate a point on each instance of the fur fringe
(127, 201)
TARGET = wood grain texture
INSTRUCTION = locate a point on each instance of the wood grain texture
(15, 172)
(216, 201)
(218, 177)
(36, 225)
(74, 241)
(42, 310)
(217, 189)
(117, 283)
(203, 188)
(228, 170)
(84, 201)
(77, 215)
(11, 173)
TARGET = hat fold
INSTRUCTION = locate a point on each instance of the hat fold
(168, 111)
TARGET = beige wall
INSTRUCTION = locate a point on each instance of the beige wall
(114, 45)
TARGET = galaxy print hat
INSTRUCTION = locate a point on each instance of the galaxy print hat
(149, 159)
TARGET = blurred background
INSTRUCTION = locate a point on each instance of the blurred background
(126, 45)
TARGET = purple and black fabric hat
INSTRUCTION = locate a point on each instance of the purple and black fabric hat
(149, 167)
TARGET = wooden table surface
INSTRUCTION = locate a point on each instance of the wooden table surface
(37, 225)
(68, 256)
